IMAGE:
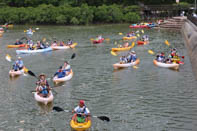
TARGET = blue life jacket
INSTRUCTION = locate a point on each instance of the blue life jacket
(44, 90)
(61, 74)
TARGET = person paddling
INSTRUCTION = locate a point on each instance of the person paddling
(43, 87)
(82, 113)
(70, 42)
(42, 78)
(18, 42)
(18, 64)
(60, 73)
(63, 70)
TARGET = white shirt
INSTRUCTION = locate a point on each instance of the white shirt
(84, 110)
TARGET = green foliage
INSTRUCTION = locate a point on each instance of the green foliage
(183, 4)
(132, 17)
(67, 14)
(74, 21)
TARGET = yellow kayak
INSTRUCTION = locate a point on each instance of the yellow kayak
(129, 38)
(123, 48)
(80, 126)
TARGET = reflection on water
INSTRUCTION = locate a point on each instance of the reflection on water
(148, 98)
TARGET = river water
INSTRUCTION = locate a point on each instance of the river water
(145, 99)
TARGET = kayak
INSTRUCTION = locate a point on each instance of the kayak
(80, 126)
(63, 47)
(174, 66)
(63, 79)
(8, 26)
(13, 73)
(98, 41)
(25, 51)
(16, 46)
(123, 48)
(44, 100)
(129, 38)
(139, 26)
(125, 65)
(142, 42)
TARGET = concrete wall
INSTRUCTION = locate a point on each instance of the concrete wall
(189, 32)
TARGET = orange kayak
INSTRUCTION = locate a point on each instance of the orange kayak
(16, 46)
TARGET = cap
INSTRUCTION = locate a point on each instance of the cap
(19, 57)
(42, 74)
(132, 51)
(82, 102)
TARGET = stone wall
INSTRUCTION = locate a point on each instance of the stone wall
(189, 32)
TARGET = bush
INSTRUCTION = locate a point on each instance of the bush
(132, 17)
(66, 14)
(74, 21)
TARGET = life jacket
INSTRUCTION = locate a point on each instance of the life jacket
(44, 90)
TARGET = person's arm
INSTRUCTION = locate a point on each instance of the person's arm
(75, 110)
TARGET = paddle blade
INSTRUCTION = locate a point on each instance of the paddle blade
(113, 53)
(120, 33)
(73, 56)
(167, 43)
(138, 35)
(151, 52)
(37, 28)
(104, 118)
(143, 31)
(91, 39)
(182, 57)
(31, 73)
(135, 67)
(8, 57)
(133, 44)
(26, 70)
(44, 39)
(107, 39)
(58, 109)
(25, 30)
(115, 43)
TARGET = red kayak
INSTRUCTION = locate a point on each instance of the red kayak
(142, 42)
(98, 41)
(139, 26)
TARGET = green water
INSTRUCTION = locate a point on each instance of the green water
(145, 99)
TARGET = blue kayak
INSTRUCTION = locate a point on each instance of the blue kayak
(26, 51)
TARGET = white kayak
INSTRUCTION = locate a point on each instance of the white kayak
(63, 79)
(63, 47)
(44, 100)
(13, 73)
(174, 66)
(26, 51)
(124, 65)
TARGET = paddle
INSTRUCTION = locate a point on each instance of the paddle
(103, 118)
(167, 43)
(151, 52)
(120, 33)
(113, 53)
